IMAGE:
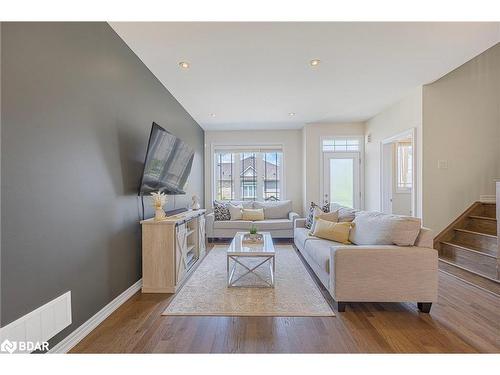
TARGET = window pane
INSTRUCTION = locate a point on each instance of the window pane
(248, 176)
(342, 182)
(340, 145)
(272, 168)
(224, 176)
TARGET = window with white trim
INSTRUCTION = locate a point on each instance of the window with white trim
(341, 144)
(404, 166)
(253, 174)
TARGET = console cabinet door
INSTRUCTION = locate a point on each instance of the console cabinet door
(180, 251)
(201, 236)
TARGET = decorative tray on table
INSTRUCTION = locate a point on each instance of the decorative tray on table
(252, 239)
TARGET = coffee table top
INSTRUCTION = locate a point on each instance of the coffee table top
(238, 248)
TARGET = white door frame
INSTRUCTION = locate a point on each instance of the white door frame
(361, 167)
(355, 155)
(410, 133)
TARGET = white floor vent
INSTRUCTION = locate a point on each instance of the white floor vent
(32, 330)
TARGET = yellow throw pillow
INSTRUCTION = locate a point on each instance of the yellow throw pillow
(338, 232)
(252, 214)
(328, 216)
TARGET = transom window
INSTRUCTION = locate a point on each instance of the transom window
(248, 175)
(340, 145)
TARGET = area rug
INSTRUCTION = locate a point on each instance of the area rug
(206, 291)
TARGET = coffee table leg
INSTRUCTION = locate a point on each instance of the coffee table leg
(272, 269)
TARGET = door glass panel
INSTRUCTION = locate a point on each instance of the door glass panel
(342, 181)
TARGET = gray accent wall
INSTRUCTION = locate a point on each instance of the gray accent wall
(77, 106)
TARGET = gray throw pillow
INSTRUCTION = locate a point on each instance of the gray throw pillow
(275, 210)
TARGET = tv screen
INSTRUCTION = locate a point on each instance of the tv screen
(167, 165)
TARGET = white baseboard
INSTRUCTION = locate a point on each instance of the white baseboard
(487, 198)
(78, 334)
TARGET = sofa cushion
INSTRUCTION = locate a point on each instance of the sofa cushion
(252, 214)
(273, 224)
(315, 210)
(319, 252)
(234, 211)
(346, 214)
(328, 216)
(376, 228)
(300, 235)
(245, 204)
(221, 212)
(333, 231)
(230, 224)
(275, 210)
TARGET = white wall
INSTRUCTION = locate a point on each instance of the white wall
(461, 126)
(312, 134)
(292, 156)
(401, 116)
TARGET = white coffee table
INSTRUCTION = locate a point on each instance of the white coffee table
(238, 251)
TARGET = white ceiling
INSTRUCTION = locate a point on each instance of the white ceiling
(252, 75)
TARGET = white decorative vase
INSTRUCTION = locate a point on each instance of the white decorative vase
(195, 205)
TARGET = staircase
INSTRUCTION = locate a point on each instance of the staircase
(468, 248)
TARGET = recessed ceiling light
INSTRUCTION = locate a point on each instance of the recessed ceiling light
(315, 62)
(291, 114)
(212, 115)
(184, 65)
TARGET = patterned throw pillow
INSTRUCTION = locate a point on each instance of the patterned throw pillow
(310, 215)
(221, 212)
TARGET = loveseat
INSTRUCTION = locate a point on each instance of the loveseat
(391, 259)
(278, 220)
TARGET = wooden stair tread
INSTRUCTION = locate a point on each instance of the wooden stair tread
(451, 263)
(469, 248)
(470, 278)
(482, 217)
(475, 232)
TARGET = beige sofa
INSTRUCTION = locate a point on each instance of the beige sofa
(278, 221)
(377, 272)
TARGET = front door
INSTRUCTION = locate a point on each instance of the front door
(341, 178)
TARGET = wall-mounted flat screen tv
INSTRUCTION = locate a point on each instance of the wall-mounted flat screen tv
(167, 165)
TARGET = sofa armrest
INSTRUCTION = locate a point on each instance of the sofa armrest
(376, 273)
(299, 223)
(425, 238)
(209, 225)
(292, 216)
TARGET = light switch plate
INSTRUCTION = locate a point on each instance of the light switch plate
(442, 164)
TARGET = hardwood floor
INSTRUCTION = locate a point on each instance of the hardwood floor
(465, 319)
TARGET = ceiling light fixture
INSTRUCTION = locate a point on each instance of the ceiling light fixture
(212, 115)
(184, 65)
(291, 114)
(315, 62)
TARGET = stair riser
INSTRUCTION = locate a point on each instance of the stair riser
(488, 210)
(471, 278)
(475, 262)
(476, 241)
(483, 226)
